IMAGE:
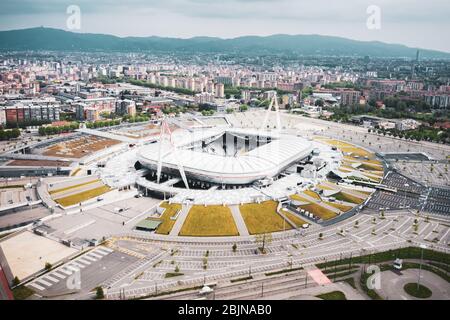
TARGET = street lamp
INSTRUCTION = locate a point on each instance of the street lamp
(406, 185)
(422, 246)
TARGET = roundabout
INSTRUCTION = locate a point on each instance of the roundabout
(403, 286)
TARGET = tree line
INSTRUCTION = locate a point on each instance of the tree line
(9, 134)
(50, 130)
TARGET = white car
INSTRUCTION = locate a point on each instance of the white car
(205, 290)
(398, 264)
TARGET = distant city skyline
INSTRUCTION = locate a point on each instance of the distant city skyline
(413, 23)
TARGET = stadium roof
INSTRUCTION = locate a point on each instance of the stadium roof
(264, 161)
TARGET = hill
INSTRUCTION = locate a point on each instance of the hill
(60, 40)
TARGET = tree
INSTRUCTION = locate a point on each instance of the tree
(48, 266)
(243, 108)
(177, 269)
(16, 281)
(262, 240)
(319, 103)
(99, 294)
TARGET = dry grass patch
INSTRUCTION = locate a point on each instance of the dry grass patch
(74, 173)
(326, 187)
(372, 167)
(167, 223)
(348, 148)
(342, 196)
(263, 217)
(299, 198)
(312, 194)
(294, 218)
(210, 221)
(52, 192)
(82, 196)
(319, 211)
(339, 206)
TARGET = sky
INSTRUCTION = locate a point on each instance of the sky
(416, 23)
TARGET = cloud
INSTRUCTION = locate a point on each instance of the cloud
(412, 22)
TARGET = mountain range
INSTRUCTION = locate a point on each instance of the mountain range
(59, 40)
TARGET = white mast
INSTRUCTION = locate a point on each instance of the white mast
(274, 104)
(166, 130)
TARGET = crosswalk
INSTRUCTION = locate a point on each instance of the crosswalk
(61, 273)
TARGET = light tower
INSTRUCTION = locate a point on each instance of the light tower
(165, 130)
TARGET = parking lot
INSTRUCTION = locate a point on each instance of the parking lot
(17, 195)
(428, 173)
(102, 221)
(82, 274)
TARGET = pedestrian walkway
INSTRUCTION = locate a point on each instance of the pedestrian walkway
(240, 224)
(47, 280)
(180, 220)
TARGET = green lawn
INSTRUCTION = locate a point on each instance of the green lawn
(334, 295)
(173, 274)
(422, 292)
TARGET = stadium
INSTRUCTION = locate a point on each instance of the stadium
(226, 157)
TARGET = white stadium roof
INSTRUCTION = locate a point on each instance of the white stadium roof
(261, 162)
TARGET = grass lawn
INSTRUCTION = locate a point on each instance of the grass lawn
(339, 206)
(82, 196)
(348, 148)
(22, 293)
(312, 194)
(294, 218)
(209, 221)
(299, 198)
(75, 172)
(173, 274)
(342, 196)
(334, 295)
(319, 211)
(422, 293)
(369, 166)
(372, 161)
(73, 187)
(326, 187)
(350, 281)
(15, 186)
(167, 223)
(263, 217)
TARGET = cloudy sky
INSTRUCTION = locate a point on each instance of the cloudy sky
(416, 23)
